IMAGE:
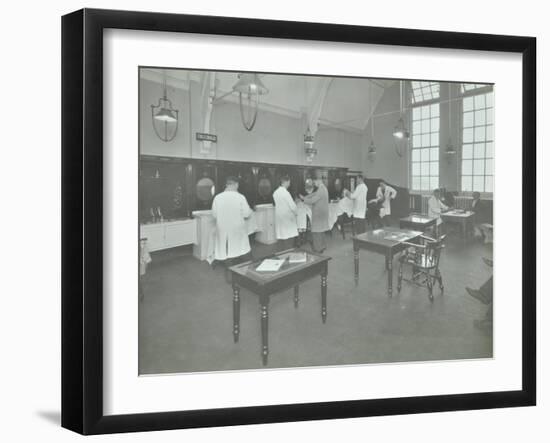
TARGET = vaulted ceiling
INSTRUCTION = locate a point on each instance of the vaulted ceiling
(341, 102)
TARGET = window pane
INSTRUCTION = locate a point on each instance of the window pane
(467, 151)
(434, 169)
(434, 183)
(489, 99)
(417, 126)
(468, 104)
(416, 169)
(435, 110)
(489, 149)
(479, 134)
(466, 167)
(425, 155)
(489, 166)
(425, 111)
(416, 183)
(425, 183)
(435, 139)
(467, 183)
(425, 126)
(416, 155)
(479, 101)
(434, 154)
(479, 167)
(468, 119)
(479, 183)
(490, 132)
(479, 150)
(489, 116)
(425, 168)
(489, 183)
(468, 135)
(416, 113)
(480, 117)
(435, 124)
(416, 141)
(425, 139)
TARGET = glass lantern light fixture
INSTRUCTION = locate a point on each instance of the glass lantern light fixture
(165, 115)
(400, 132)
(250, 88)
(372, 148)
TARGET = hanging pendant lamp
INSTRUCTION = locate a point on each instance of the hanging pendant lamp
(249, 87)
(372, 147)
(449, 148)
(400, 132)
(165, 115)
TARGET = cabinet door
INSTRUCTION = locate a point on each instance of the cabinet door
(179, 234)
(155, 236)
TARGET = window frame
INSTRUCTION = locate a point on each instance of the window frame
(462, 95)
(412, 148)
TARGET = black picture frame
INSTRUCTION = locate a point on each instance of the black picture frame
(82, 218)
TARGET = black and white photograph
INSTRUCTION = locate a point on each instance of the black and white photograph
(295, 221)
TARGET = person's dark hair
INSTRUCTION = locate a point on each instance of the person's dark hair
(360, 177)
(231, 180)
(476, 195)
(285, 178)
(383, 181)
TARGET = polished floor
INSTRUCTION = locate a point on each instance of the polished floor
(185, 318)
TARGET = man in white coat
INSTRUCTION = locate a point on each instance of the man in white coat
(230, 209)
(384, 195)
(435, 208)
(286, 227)
(359, 197)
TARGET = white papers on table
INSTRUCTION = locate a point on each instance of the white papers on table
(270, 265)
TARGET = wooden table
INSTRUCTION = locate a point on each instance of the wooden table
(386, 241)
(417, 222)
(266, 284)
(464, 219)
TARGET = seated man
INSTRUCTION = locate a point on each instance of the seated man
(483, 226)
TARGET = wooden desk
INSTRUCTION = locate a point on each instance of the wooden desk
(388, 242)
(266, 284)
(417, 222)
(464, 219)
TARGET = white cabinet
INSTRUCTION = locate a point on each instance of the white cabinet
(265, 217)
(205, 228)
(169, 234)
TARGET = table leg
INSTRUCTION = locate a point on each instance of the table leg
(389, 264)
(296, 295)
(236, 312)
(264, 319)
(324, 296)
(356, 264)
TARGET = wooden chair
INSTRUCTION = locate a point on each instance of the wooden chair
(424, 260)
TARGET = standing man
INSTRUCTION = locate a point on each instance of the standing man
(286, 227)
(384, 195)
(230, 209)
(435, 208)
(359, 197)
(318, 200)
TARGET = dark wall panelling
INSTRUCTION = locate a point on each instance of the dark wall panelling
(180, 186)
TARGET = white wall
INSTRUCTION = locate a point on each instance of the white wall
(30, 328)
